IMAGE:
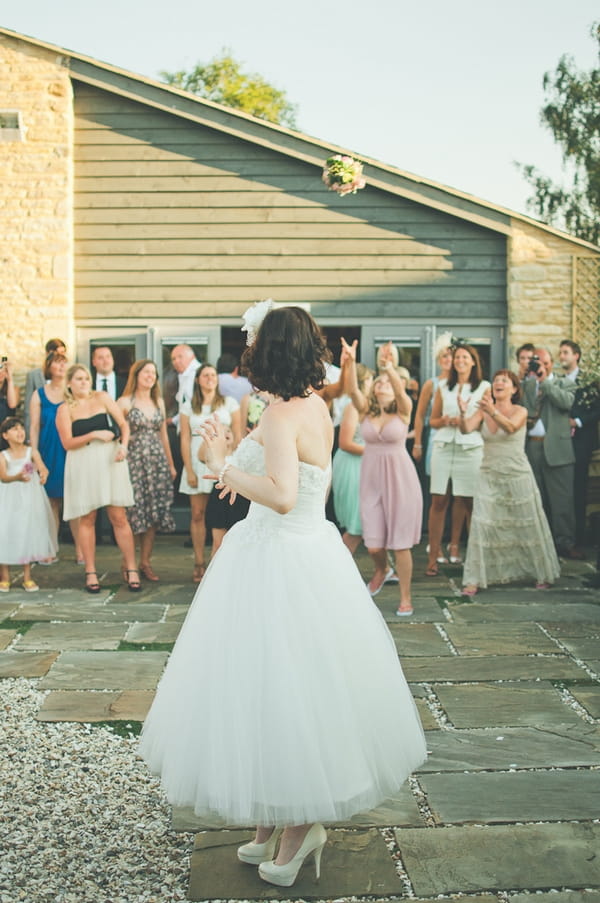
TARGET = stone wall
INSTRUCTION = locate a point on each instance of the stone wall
(36, 176)
(540, 287)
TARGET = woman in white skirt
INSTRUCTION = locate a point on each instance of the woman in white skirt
(96, 472)
(456, 457)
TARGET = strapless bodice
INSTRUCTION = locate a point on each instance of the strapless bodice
(309, 510)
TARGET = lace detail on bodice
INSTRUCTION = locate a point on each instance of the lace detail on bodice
(309, 510)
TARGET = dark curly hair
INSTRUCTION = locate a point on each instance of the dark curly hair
(289, 355)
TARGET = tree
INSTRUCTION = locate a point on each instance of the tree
(572, 113)
(223, 81)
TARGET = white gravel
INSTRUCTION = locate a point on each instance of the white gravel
(80, 817)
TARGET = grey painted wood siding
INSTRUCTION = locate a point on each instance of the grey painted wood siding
(173, 219)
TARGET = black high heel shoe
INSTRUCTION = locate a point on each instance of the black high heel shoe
(134, 585)
(92, 587)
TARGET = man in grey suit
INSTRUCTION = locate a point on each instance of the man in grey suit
(548, 399)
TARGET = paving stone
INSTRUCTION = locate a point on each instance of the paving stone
(594, 665)
(418, 639)
(26, 664)
(7, 609)
(427, 608)
(154, 593)
(557, 745)
(90, 705)
(589, 697)
(177, 613)
(153, 633)
(492, 667)
(70, 635)
(399, 810)
(513, 639)
(585, 648)
(568, 896)
(87, 611)
(488, 798)
(511, 704)
(427, 719)
(497, 857)
(67, 596)
(569, 629)
(353, 864)
(105, 671)
(6, 638)
(479, 612)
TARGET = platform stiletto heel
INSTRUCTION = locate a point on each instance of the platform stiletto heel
(285, 875)
(255, 853)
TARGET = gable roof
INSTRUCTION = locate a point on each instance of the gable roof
(287, 141)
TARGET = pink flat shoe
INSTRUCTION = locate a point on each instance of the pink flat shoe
(469, 591)
(543, 585)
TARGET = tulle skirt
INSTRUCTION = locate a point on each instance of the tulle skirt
(283, 701)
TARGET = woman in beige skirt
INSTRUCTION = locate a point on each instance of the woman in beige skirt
(96, 472)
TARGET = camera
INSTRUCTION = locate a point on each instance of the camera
(534, 364)
(3, 363)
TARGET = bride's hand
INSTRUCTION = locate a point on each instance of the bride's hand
(215, 442)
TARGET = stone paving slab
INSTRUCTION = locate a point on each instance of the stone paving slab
(88, 611)
(589, 697)
(163, 593)
(6, 638)
(571, 896)
(493, 705)
(492, 667)
(488, 798)
(7, 609)
(73, 635)
(26, 664)
(516, 639)
(66, 595)
(427, 718)
(427, 608)
(153, 632)
(594, 665)
(353, 864)
(557, 745)
(400, 810)
(479, 612)
(418, 639)
(585, 648)
(497, 857)
(568, 629)
(105, 671)
(177, 613)
(89, 705)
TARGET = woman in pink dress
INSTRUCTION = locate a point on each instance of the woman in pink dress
(391, 502)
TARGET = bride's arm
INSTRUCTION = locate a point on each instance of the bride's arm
(279, 488)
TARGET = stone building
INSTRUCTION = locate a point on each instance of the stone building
(138, 215)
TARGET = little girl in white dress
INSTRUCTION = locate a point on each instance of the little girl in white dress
(27, 527)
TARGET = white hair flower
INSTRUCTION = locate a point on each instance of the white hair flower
(253, 318)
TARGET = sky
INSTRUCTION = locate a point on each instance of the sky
(449, 91)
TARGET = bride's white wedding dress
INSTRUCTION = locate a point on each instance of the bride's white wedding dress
(283, 701)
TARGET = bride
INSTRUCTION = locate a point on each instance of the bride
(283, 703)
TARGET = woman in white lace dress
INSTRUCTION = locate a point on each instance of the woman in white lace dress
(509, 538)
(283, 703)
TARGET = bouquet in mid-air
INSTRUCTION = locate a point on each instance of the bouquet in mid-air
(343, 174)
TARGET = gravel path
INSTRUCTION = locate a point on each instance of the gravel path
(80, 817)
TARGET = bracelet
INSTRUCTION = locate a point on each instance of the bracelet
(494, 414)
(223, 471)
(417, 446)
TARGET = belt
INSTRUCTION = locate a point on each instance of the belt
(536, 438)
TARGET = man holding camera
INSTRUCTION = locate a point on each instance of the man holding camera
(548, 399)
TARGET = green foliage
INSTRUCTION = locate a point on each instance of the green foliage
(223, 81)
(572, 113)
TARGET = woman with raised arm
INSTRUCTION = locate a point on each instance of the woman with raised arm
(509, 538)
(391, 503)
(262, 690)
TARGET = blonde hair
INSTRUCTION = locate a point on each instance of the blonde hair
(70, 374)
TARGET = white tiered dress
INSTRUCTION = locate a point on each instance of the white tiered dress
(283, 701)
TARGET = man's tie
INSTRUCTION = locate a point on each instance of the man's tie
(104, 384)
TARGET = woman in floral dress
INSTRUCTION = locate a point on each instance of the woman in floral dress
(151, 465)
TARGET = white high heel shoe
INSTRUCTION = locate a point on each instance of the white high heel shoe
(255, 853)
(285, 875)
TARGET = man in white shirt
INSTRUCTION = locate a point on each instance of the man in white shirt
(105, 379)
(230, 381)
(185, 365)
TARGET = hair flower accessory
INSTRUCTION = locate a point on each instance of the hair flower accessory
(253, 318)
(343, 174)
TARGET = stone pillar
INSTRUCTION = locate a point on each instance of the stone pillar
(36, 192)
